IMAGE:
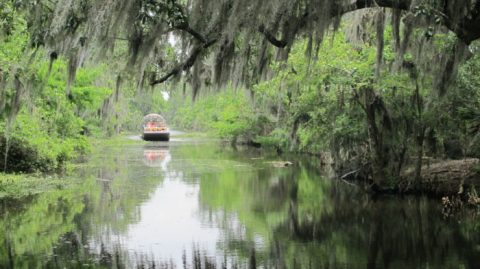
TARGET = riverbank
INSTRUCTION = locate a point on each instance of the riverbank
(20, 185)
(17, 186)
(458, 178)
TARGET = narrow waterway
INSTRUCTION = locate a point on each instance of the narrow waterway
(202, 204)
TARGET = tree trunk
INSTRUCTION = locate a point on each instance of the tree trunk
(379, 160)
(418, 166)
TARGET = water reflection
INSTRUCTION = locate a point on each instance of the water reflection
(201, 205)
(157, 156)
(169, 224)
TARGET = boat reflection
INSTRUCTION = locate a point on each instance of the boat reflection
(157, 156)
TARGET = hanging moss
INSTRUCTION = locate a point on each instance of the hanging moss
(396, 17)
(3, 90)
(449, 66)
(53, 57)
(16, 101)
(229, 28)
(118, 85)
(380, 29)
(72, 71)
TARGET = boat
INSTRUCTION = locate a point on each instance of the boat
(155, 128)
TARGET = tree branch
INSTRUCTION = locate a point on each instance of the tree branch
(361, 4)
(467, 29)
(470, 26)
(187, 64)
(476, 10)
(272, 39)
(186, 27)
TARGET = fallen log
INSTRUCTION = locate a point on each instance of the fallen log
(449, 177)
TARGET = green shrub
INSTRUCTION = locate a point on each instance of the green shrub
(33, 146)
(278, 139)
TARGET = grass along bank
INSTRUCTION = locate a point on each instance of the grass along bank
(21, 185)
(17, 186)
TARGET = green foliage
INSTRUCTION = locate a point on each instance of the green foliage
(463, 102)
(312, 98)
(227, 114)
(337, 102)
(43, 149)
(46, 129)
(14, 38)
(87, 95)
(278, 139)
(49, 129)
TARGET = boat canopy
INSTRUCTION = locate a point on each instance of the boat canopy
(153, 118)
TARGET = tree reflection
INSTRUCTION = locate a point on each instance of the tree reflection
(312, 222)
(269, 217)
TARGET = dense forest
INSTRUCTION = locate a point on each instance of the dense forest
(379, 88)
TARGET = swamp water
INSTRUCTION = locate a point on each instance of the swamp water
(194, 204)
